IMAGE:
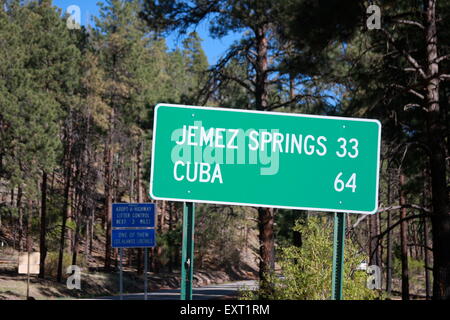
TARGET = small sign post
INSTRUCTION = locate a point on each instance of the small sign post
(29, 263)
(145, 273)
(187, 263)
(338, 255)
(231, 156)
(133, 226)
(121, 273)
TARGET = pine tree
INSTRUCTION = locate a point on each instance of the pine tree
(124, 57)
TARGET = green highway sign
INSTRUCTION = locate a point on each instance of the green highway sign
(265, 159)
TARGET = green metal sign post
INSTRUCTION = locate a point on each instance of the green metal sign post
(187, 255)
(338, 256)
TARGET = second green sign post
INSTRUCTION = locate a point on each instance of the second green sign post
(187, 251)
(262, 159)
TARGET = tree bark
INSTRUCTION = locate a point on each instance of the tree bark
(266, 239)
(265, 215)
(404, 241)
(374, 250)
(76, 236)
(139, 259)
(76, 241)
(19, 208)
(11, 217)
(261, 92)
(43, 231)
(108, 194)
(29, 227)
(69, 233)
(108, 201)
(91, 230)
(426, 259)
(389, 240)
(64, 221)
(86, 241)
(436, 130)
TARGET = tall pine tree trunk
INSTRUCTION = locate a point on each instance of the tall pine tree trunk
(436, 130)
(389, 240)
(64, 221)
(108, 199)
(11, 219)
(265, 215)
(19, 208)
(29, 227)
(91, 230)
(426, 258)
(139, 200)
(374, 250)
(43, 231)
(76, 241)
(404, 241)
(266, 239)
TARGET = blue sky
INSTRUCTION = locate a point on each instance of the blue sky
(214, 48)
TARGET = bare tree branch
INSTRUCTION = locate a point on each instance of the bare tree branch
(442, 58)
(415, 216)
(410, 90)
(410, 106)
(405, 206)
(390, 208)
(408, 57)
(295, 99)
(411, 22)
(237, 80)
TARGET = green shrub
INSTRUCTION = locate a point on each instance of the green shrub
(306, 271)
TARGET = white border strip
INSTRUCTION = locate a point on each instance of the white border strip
(266, 113)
